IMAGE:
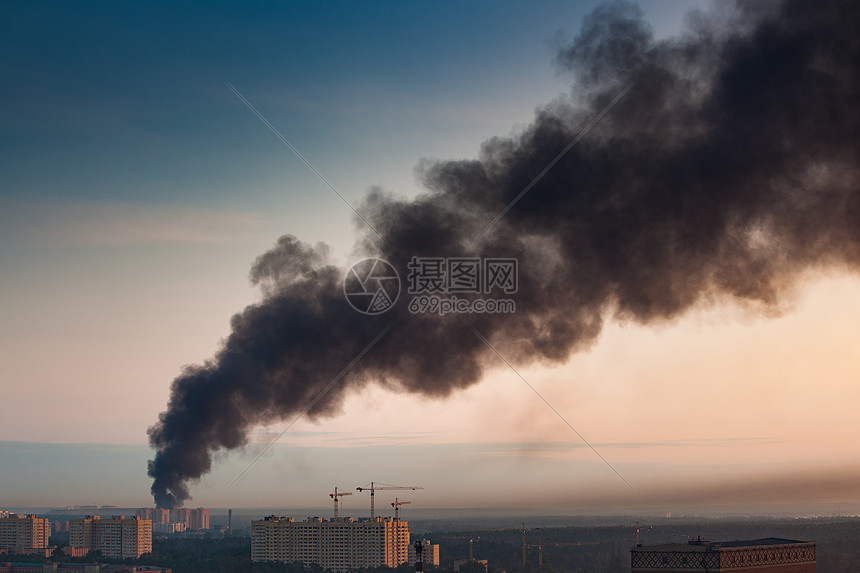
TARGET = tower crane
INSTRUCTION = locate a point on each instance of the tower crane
(648, 528)
(472, 539)
(336, 495)
(381, 486)
(524, 545)
(396, 505)
(539, 544)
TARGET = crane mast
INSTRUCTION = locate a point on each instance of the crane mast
(396, 505)
(336, 495)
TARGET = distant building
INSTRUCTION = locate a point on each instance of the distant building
(75, 551)
(168, 528)
(192, 518)
(118, 537)
(154, 514)
(339, 545)
(183, 516)
(147, 513)
(771, 555)
(200, 518)
(430, 553)
(59, 526)
(24, 533)
(77, 568)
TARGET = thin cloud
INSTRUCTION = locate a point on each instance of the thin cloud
(562, 449)
(107, 224)
(342, 439)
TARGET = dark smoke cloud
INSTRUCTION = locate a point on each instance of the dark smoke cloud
(729, 168)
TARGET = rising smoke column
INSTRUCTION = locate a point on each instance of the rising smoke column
(728, 169)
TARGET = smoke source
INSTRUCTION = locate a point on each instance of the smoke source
(730, 167)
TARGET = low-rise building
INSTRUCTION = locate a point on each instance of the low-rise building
(77, 568)
(770, 555)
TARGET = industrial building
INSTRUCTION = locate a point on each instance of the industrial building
(24, 533)
(118, 537)
(338, 544)
(770, 555)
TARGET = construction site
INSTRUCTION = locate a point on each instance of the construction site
(339, 543)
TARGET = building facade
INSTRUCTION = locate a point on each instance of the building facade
(339, 545)
(181, 515)
(118, 537)
(771, 555)
(23, 533)
(192, 518)
(168, 528)
(147, 513)
(154, 514)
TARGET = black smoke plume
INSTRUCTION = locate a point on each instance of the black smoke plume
(728, 169)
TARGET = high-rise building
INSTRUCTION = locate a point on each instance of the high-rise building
(118, 537)
(183, 516)
(154, 514)
(192, 518)
(339, 545)
(769, 555)
(199, 518)
(22, 533)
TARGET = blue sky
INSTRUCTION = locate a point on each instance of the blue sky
(136, 190)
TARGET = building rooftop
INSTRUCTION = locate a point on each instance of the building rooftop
(701, 545)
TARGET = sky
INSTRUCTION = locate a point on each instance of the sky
(136, 190)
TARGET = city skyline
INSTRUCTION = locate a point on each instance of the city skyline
(138, 190)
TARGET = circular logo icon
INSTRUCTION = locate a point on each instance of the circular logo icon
(371, 286)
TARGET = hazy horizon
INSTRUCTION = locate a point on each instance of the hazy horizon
(139, 189)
